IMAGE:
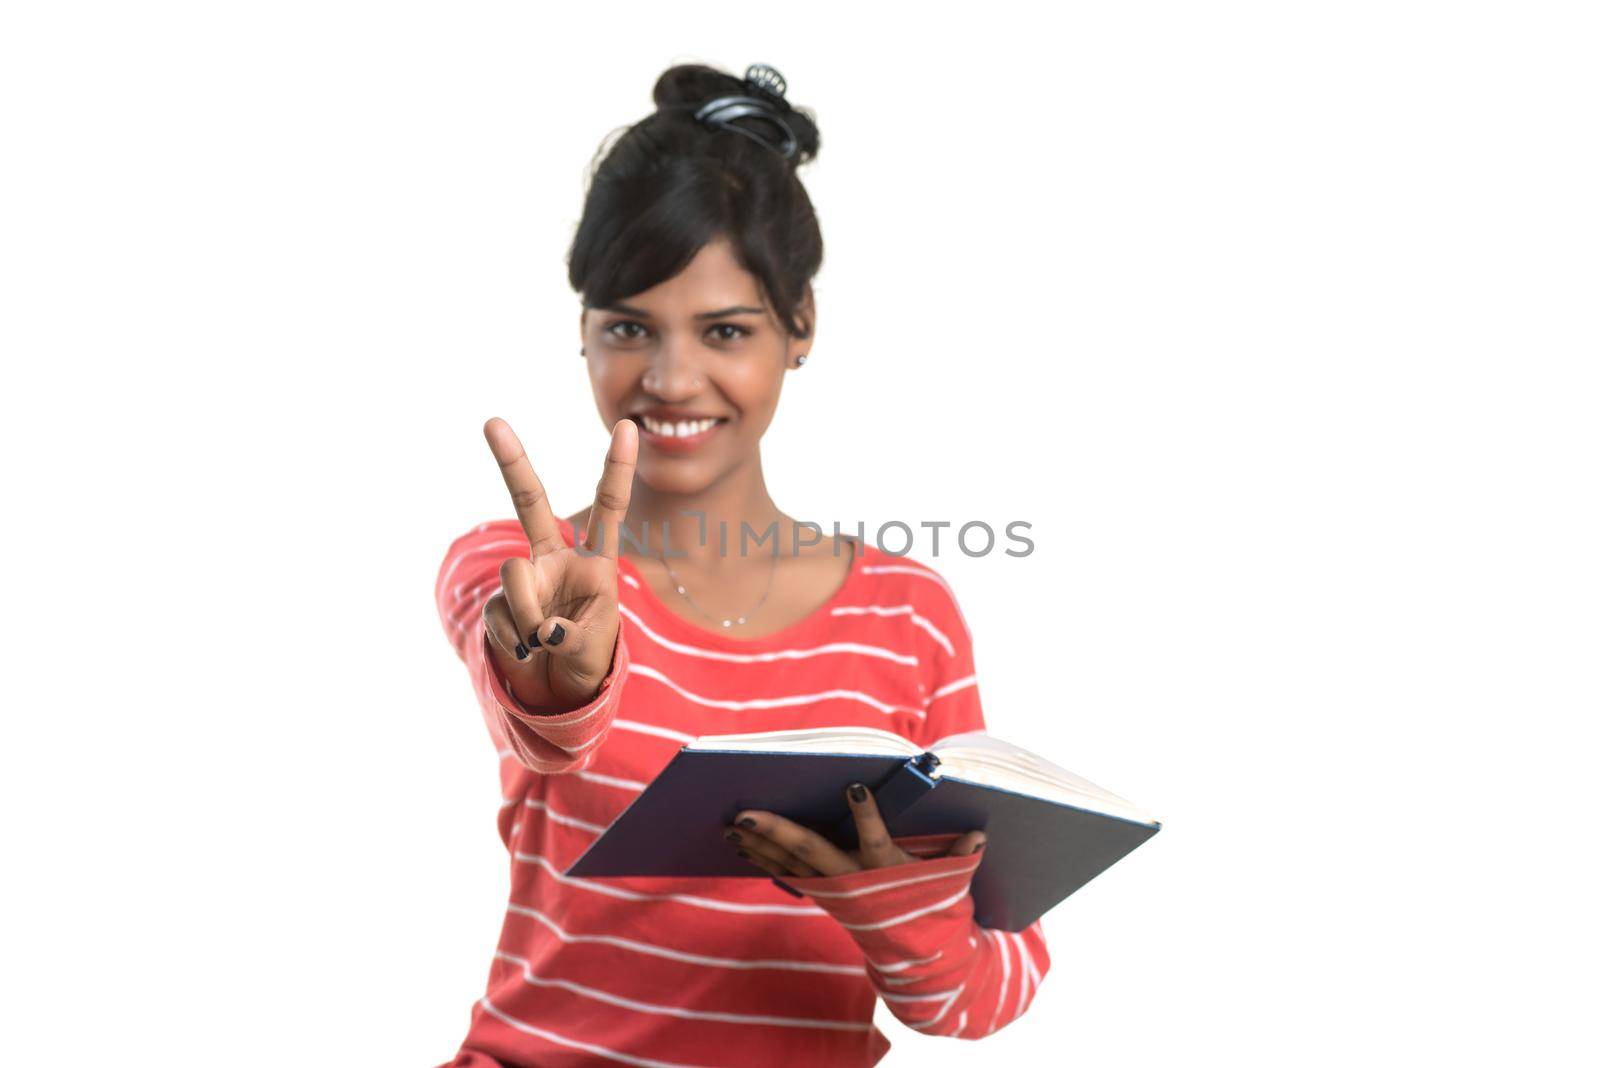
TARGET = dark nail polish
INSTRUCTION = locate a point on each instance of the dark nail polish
(533, 639)
(743, 854)
(522, 651)
(979, 847)
(557, 633)
(858, 793)
(733, 836)
(786, 888)
(747, 823)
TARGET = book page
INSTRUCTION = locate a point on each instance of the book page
(981, 757)
(854, 741)
(976, 756)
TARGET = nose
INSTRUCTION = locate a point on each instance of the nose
(674, 373)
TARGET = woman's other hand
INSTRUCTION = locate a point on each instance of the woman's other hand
(553, 625)
(782, 847)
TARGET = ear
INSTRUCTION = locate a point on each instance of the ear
(806, 312)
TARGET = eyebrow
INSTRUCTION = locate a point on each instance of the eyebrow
(737, 309)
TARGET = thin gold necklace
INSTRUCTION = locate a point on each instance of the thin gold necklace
(726, 622)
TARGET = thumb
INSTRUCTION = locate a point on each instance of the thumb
(572, 646)
(967, 844)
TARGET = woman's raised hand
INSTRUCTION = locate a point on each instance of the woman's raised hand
(553, 625)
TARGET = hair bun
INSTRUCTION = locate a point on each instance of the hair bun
(692, 84)
(689, 87)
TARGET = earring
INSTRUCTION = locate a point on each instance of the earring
(800, 360)
(584, 351)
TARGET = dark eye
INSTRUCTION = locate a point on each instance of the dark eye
(738, 331)
(613, 329)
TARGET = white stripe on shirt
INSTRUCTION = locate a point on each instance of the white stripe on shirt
(474, 551)
(712, 903)
(861, 891)
(596, 994)
(940, 1015)
(898, 610)
(610, 780)
(587, 1047)
(905, 916)
(879, 652)
(648, 672)
(951, 687)
(654, 950)
(650, 728)
(562, 817)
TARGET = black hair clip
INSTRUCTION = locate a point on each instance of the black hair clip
(767, 87)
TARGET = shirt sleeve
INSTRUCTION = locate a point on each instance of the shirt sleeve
(936, 969)
(933, 965)
(549, 743)
(949, 670)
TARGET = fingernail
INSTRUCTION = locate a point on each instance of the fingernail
(747, 823)
(979, 847)
(557, 633)
(743, 854)
(786, 888)
(522, 651)
(858, 792)
(533, 639)
(733, 836)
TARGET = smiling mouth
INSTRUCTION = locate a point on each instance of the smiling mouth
(677, 428)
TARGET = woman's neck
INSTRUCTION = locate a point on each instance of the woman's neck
(705, 530)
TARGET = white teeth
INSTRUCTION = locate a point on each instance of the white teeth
(681, 429)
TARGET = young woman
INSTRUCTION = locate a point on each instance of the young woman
(595, 654)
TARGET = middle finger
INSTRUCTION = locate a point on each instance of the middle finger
(807, 845)
(762, 846)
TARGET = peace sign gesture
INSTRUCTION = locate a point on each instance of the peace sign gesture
(553, 625)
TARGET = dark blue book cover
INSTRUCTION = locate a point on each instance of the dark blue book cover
(1039, 850)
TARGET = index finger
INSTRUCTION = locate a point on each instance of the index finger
(803, 842)
(603, 533)
(527, 492)
(877, 848)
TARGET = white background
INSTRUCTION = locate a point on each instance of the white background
(1278, 322)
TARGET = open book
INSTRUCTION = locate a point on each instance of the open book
(1049, 831)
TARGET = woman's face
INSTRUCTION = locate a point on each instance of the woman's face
(697, 362)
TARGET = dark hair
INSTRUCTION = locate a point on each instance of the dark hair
(669, 185)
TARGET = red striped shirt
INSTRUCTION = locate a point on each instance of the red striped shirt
(727, 971)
